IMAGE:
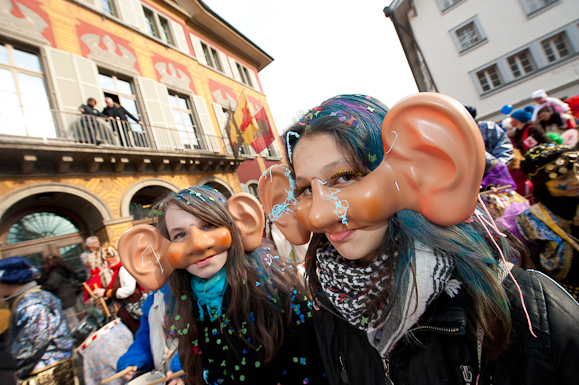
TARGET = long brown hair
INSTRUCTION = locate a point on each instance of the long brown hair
(270, 301)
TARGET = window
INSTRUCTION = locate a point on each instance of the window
(489, 78)
(521, 63)
(151, 23)
(109, 7)
(158, 26)
(24, 103)
(40, 225)
(244, 73)
(186, 126)
(211, 57)
(556, 47)
(468, 36)
(121, 91)
(446, 4)
(533, 6)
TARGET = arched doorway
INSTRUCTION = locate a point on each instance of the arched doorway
(48, 223)
(141, 202)
(218, 185)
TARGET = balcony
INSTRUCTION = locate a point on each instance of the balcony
(57, 142)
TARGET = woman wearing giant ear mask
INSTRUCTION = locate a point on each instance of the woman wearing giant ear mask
(411, 288)
(239, 312)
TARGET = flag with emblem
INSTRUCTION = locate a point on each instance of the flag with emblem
(264, 136)
(242, 126)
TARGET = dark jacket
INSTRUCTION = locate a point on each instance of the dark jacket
(229, 358)
(530, 130)
(444, 352)
(58, 282)
(90, 110)
(118, 110)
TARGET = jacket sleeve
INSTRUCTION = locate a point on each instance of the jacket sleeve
(176, 364)
(503, 149)
(127, 113)
(139, 353)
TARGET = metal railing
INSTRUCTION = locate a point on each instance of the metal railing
(97, 131)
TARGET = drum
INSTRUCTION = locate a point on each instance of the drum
(93, 335)
(82, 331)
(147, 378)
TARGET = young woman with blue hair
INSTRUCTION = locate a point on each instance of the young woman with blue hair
(411, 276)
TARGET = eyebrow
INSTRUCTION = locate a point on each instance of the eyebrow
(326, 169)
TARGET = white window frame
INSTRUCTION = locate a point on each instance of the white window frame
(114, 6)
(479, 30)
(536, 8)
(212, 57)
(159, 28)
(444, 7)
(202, 144)
(244, 74)
(553, 46)
(485, 69)
(519, 64)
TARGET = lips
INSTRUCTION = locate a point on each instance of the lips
(340, 237)
(204, 262)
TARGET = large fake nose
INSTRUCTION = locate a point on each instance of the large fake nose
(322, 210)
(199, 240)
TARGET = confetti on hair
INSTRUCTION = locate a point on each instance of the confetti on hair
(289, 149)
(371, 109)
(372, 157)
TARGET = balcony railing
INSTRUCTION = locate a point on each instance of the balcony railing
(59, 126)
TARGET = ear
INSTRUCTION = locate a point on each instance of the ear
(435, 164)
(248, 216)
(274, 185)
(143, 252)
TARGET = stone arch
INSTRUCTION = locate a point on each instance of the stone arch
(219, 184)
(18, 195)
(131, 191)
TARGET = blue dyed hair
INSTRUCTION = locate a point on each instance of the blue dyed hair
(467, 244)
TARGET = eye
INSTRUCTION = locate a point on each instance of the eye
(207, 227)
(346, 177)
(178, 235)
(305, 191)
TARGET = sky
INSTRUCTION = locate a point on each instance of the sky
(321, 48)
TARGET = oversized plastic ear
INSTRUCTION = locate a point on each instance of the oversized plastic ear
(143, 252)
(433, 164)
(248, 216)
(276, 193)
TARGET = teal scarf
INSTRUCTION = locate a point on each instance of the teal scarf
(209, 294)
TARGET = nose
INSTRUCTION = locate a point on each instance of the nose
(322, 210)
(198, 240)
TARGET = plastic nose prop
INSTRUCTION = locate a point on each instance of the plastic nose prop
(319, 212)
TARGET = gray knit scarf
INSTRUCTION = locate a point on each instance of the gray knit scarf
(349, 288)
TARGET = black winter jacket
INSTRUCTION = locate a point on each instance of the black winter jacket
(444, 352)
(59, 283)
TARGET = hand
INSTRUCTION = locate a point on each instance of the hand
(99, 292)
(81, 109)
(140, 122)
(175, 381)
(129, 376)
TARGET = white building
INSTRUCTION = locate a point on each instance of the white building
(489, 53)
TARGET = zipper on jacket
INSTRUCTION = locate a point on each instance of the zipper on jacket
(386, 363)
(327, 308)
(343, 373)
(436, 329)
(466, 374)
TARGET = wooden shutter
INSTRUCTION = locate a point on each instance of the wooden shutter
(180, 39)
(155, 97)
(196, 42)
(206, 124)
(96, 4)
(234, 69)
(253, 79)
(222, 120)
(131, 11)
(225, 64)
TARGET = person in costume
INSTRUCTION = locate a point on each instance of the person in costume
(528, 134)
(39, 337)
(154, 347)
(240, 313)
(550, 227)
(413, 281)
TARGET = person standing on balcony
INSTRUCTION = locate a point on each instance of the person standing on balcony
(115, 111)
(89, 123)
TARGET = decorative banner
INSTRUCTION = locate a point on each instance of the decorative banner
(107, 49)
(26, 19)
(264, 136)
(172, 74)
(242, 126)
(222, 94)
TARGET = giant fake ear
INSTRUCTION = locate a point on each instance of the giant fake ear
(276, 193)
(143, 252)
(248, 216)
(433, 163)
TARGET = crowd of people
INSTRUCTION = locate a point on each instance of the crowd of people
(429, 257)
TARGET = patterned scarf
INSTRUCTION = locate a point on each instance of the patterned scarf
(209, 294)
(349, 287)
